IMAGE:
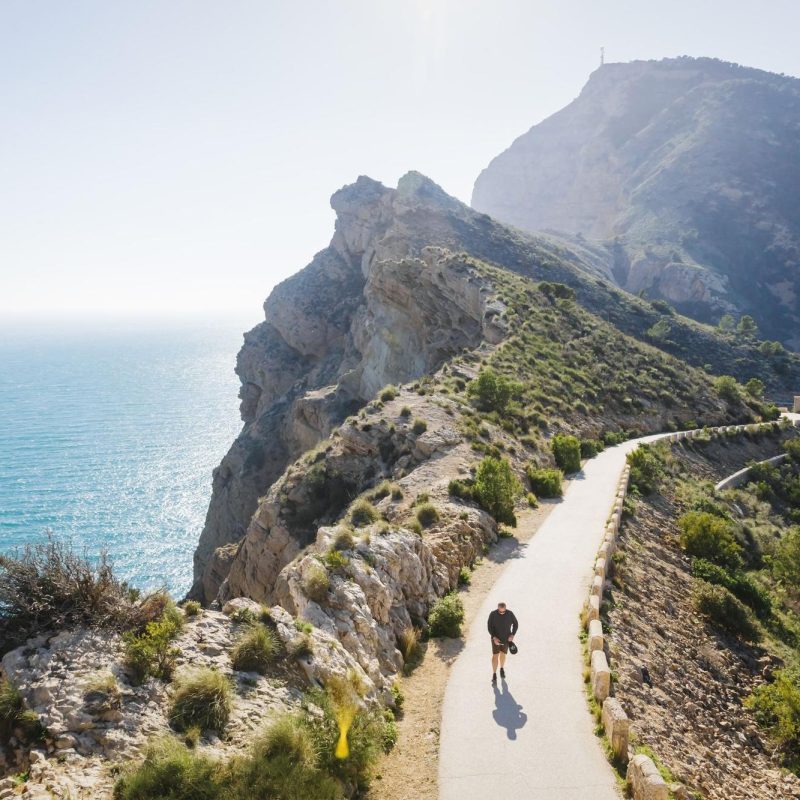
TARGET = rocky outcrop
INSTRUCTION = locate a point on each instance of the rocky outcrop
(96, 720)
(387, 575)
(413, 314)
(686, 169)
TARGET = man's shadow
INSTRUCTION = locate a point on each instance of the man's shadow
(508, 712)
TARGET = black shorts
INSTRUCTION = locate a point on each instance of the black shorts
(499, 648)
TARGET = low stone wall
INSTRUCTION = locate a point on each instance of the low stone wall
(740, 477)
(643, 776)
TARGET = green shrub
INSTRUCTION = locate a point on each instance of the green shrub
(397, 695)
(344, 539)
(492, 391)
(496, 489)
(776, 707)
(405, 411)
(336, 559)
(389, 393)
(366, 740)
(383, 489)
(792, 447)
(255, 650)
(590, 447)
(786, 560)
(363, 513)
(727, 388)
(647, 469)
(545, 482)
(723, 610)
(460, 489)
(427, 515)
(755, 388)
(737, 583)
(191, 608)
(316, 582)
(530, 497)
(15, 719)
(171, 772)
(397, 493)
(567, 452)
(283, 764)
(464, 576)
(710, 537)
(612, 438)
(446, 616)
(151, 653)
(202, 698)
(419, 426)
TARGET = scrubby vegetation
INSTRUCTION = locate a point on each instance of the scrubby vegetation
(446, 616)
(744, 545)
(151, 652)
(293, 759)
(567, 452)
(256, 649)
(646, 468)
(496, 489)
(48, 586)
(15, 719)
(202, 699)
(427, 514)
(363, 513)
(492, 392)
(545, 482)
(316, 582)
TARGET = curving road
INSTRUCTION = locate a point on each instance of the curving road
(532, 737)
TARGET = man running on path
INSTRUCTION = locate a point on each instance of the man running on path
(502, 627)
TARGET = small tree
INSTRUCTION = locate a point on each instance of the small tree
(708, 536)
(659, 331)
(786, 561)
(727, 388)
(492, 391)
(646, 469)
(496, 489)
(726, 323)
(755, 388)
(567, 452)
(747, 326)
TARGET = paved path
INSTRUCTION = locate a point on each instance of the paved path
(532, 737)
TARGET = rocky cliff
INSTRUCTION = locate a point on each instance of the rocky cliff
(370, 310)
(686, 169)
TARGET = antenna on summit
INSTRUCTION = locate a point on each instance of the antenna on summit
(602, 56)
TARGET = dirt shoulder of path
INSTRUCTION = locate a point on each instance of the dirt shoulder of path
(411, 769)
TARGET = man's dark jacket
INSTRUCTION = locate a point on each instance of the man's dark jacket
(501, 626)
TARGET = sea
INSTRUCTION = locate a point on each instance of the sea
(109, 432)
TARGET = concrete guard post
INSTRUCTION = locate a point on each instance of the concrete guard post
(645, 780)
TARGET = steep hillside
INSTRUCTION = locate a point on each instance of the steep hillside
(369, 311)
(703, 615)
(687, 170)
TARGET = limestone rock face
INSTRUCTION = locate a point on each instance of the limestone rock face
(361, 316)
(686, 169)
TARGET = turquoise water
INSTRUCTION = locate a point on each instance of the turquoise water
(109, 434)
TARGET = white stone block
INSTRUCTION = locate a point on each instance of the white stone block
(596, 639)
(594, 607)
(645, 780)
(617, 726)
(600, 676)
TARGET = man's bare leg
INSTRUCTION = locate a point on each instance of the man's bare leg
(494, 661)
(502, 659)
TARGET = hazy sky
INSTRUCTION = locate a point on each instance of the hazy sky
(178, 155)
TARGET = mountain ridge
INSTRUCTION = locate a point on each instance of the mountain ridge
(685, 170)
